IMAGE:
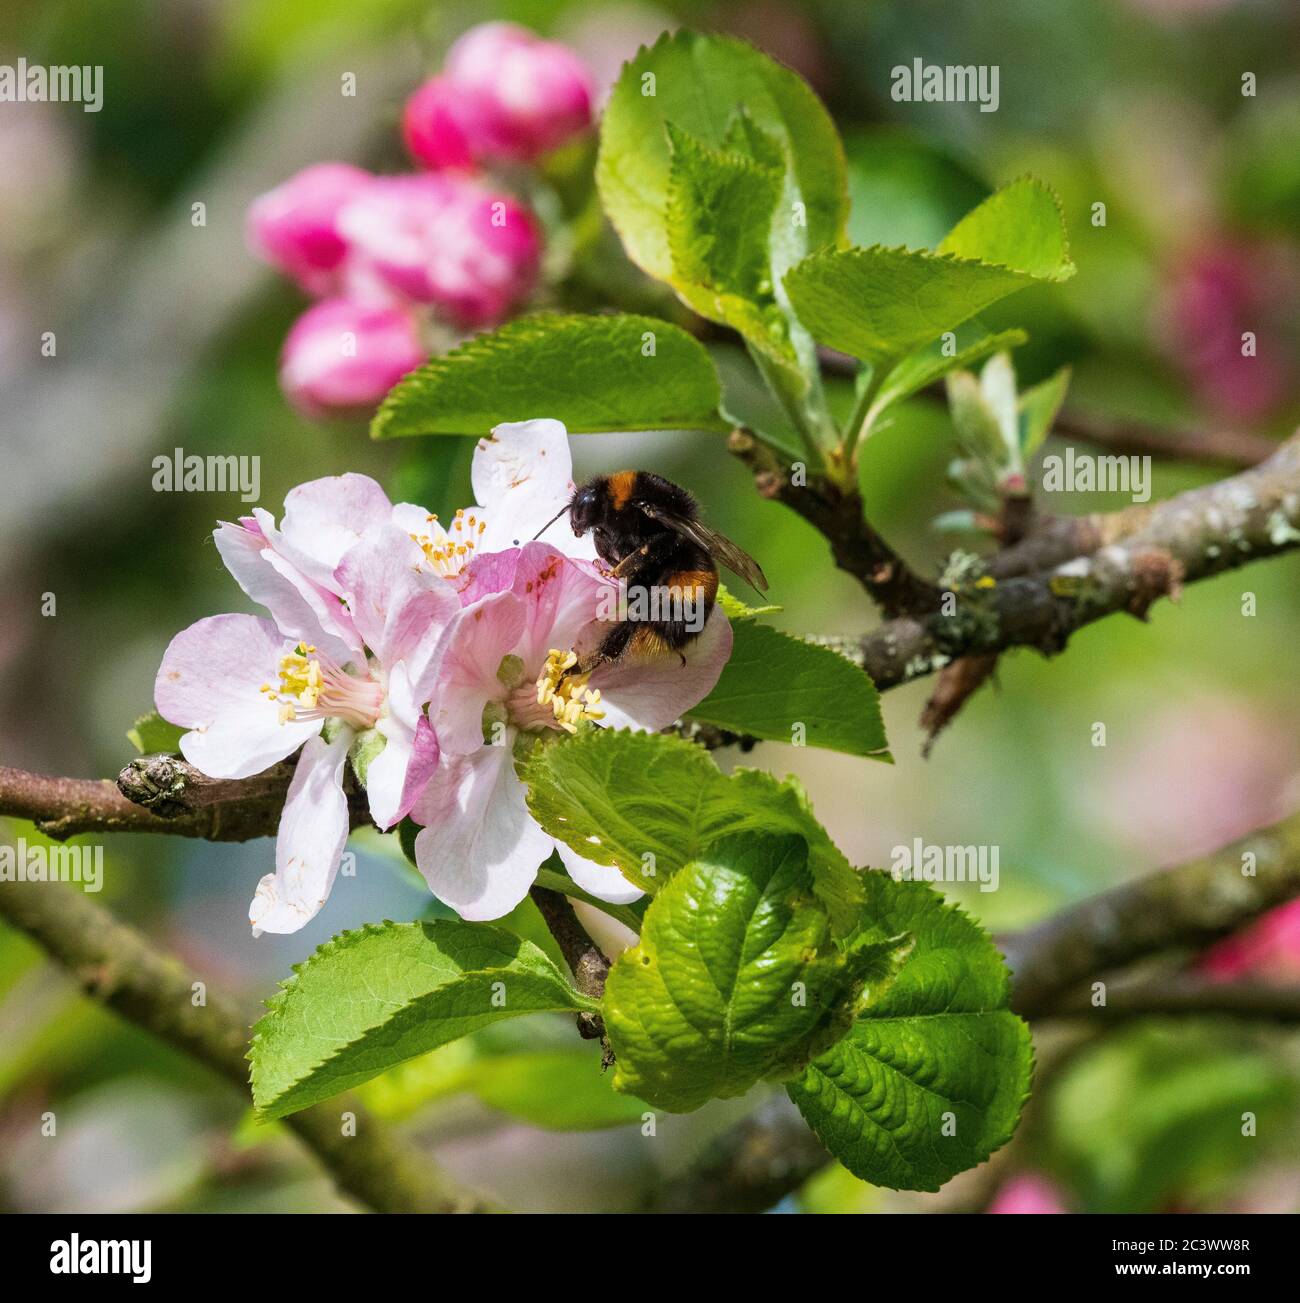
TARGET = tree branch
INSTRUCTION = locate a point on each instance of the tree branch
(838, 515)
(585, 958)
(116, 965)
(1185, 907)
(1226, 447)
(1138, 557)
(1180, 996)
(157, 794)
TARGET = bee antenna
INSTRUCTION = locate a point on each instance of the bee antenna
(549, 523)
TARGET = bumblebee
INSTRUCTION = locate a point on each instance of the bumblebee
(649, 532)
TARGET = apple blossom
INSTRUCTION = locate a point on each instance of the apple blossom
(528, 608)
(447, 241)
(294, 227)
(354, 646)
(345, 356)
(506, 682)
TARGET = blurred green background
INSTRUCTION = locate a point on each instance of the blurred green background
(168, 335)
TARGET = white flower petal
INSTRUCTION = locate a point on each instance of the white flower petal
(400, 609)
(603, 881)
(309, 846)
(397, 775)
(523, 476)
(480, 849)
(325, 517)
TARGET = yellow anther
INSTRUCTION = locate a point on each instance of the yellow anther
(568, 696)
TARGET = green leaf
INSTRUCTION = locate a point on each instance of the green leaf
(721, 207)
(151, 735)
(775, 682)
(700, 84)
(1020, 227)
(594, 373)
(879, 303)
(375, 997)
(1037, 411)
(933, 1074)
(649, 803)
(736, 977)
(926, 365)
(735, 609)
(558, 1090)
(974, 420)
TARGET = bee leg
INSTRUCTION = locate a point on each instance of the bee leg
(608, 650)
(628, 561)
(593, 660)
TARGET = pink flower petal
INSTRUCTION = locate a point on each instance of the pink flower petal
(398, 607)
(481, 636)
(325, 517)
(651, 694)
(309, 846)
(294, 226)
(562, 597)
(301, 610)
(480, 848)
(398, 774)
(209, 683)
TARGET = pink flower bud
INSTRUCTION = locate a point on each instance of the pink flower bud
(342, 356)
(294, 226)
(521, 96)
(445, 240)
(434, 125)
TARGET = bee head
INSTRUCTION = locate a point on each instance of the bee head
(584, 508)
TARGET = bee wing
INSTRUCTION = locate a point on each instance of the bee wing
(718, 546)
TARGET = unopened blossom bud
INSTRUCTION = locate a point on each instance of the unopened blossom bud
(434, 125)
(521, 96)
(343, 356)
(294, 227)
(446, 241)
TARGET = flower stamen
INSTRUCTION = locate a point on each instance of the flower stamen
(570, 699)
(448, 551)
(312, 686)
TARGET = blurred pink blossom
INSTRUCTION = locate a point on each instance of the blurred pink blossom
(436, 126)
(343, 355)
(1189, 776)
(505, 94)
(1028, 1192)
(447, 241)
(295, 226)
(1268, 948)
(1216, 292)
